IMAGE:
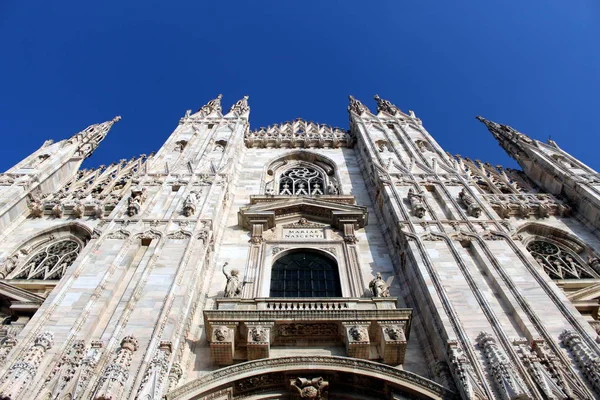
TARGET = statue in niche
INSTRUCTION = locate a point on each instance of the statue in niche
(134, 202)
(233, 288)
(473, 209)
(189, 204)
(378, 287)
(416, 202)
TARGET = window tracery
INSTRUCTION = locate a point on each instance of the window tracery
(50, 262)
(301, 181)
(558, 262)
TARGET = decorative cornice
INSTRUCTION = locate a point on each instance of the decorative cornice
(299, 133)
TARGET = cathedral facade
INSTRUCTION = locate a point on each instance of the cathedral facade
(299, 261)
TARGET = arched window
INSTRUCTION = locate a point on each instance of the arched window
(50, 262)
(305, 273)
(301, 181)
(557, 261)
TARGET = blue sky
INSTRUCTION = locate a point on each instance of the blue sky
(531, 64)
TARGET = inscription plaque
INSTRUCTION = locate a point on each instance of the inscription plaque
(303, 233)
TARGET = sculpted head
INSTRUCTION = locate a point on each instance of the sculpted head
(234, 272)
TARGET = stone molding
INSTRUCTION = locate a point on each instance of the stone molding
(226, 376)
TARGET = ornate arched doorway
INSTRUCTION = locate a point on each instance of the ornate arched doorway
(315, 378)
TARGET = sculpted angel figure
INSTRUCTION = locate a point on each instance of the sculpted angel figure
(378, 287)
(233, 288)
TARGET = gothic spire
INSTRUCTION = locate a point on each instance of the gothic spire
(211, 106)
(504, 131)
(356, 106)
(241, 106)
(90, 137)
(386, 106)
(510, 139)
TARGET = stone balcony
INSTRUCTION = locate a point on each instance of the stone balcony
(248, 329)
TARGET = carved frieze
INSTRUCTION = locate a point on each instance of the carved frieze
(308, 329)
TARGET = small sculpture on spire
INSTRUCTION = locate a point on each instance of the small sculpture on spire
(356, 106)
(241, 106)
(385, 106)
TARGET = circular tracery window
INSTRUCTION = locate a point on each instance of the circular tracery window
(558, 262)
(50, 262)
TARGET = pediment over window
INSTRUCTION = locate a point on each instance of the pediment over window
(271, 213)
(20, 296)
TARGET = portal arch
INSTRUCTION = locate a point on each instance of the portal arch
(265, 378)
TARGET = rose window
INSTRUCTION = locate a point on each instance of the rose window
(557, 262)
(50, 262)
(301, 181)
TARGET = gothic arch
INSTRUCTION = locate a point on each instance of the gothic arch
(322, 169)
(346, 375)
(47, 254)
(531, 230)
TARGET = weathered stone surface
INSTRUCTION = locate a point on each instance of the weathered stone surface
(367, 260)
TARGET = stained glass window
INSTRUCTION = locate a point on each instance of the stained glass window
(305, 274)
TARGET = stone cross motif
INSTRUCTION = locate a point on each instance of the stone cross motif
(314, 389)
(378, 287)
(416, 202)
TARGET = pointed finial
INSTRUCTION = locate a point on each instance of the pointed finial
(385, 106)
(241, 106)
(116, 119)
(356, 106)
(211, 106)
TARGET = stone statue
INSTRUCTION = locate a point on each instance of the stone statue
(189, 204)
(233, 288)
(416, 202)
(473, 209)
(9, 265)
(378, 287)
